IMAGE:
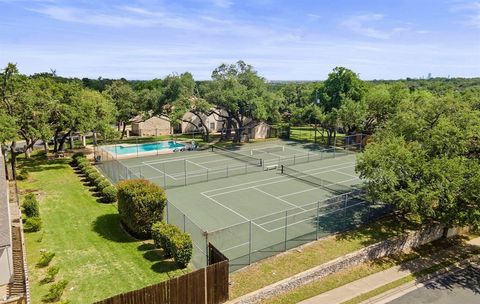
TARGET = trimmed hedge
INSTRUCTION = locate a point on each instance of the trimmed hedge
(102, 183)
(174, 243)
(30, 206)
(182, 249)
(109, 194)
(32, 224)
(92, 176)
(161, 233)
(140, 204)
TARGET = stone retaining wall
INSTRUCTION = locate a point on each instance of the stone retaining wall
(375, 251)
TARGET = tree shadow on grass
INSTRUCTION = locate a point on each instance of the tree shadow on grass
(146, 247)
(164, 266)
(108, 226)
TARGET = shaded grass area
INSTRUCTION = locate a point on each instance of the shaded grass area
(453, 250)
(285, 265)
(96, 256)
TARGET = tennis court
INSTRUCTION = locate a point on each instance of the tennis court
(259, 199)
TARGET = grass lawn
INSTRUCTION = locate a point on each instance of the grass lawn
(285, 265)
(454, 250)
(93, 252)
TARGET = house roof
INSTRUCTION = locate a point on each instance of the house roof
(5, 229)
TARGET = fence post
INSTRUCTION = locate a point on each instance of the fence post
(207, 256)
(166, 208)
(294, 159)
(317, 221)
(227, 169)
(136, 144)
(207, 174)
(250, 242)
(184, 223)
(286, 229)
(164, 177)
(185, 170)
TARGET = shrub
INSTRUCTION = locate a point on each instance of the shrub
(30, 206)
(161, 234)
(55, 292)
(140, 204)
(182, 248)
(32, 224)
(45, 259)
(51, 274)
(109, 194)
(92, 176)
(84, 166)
(22, 174)
(77, 155)
(102, 184)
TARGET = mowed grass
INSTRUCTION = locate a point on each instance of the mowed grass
(292, 262)
(93, 252)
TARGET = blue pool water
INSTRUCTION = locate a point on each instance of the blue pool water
(127, 149)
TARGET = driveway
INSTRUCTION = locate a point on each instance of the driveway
(461, 287)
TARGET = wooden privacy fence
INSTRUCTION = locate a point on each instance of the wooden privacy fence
(204, 286)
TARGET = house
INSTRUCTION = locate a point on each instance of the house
(153, 126)
(6, 257)
(191, 123)
(260, 131)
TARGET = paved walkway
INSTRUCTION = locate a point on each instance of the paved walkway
(371, 282)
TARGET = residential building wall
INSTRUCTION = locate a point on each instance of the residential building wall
(153, 126)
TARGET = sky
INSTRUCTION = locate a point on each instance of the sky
(283, 40)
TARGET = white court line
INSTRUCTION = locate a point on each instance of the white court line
(346, 174)
(282, 200)
(246, 243)
(163, 173)
(321, 214)
(277, 177)
(230, 209)
(311, 189)
(196, 164)
(283, 180)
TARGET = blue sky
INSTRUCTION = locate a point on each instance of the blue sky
(283, 40)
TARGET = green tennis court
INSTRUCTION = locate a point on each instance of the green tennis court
(256, 200)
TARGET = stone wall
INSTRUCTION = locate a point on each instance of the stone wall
(375, 251)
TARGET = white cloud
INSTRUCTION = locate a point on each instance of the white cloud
(471, 11)
(363, 24)
(125, 16)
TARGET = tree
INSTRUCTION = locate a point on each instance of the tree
(241, 98)
(125, 100)
(351, 115)
(422, 162)
(198, 107)
(23, 110)
(342, 85)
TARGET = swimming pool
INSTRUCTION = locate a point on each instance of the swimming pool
(125, 149)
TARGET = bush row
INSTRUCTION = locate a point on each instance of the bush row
(174, 242)
(94, 178)
(31, 209)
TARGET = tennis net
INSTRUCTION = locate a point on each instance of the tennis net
(267, 150)
(238, 156)
(328, 185)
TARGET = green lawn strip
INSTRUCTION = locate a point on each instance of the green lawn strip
(357, 272)
(93, 252)
(285, 265)
(409, 278)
